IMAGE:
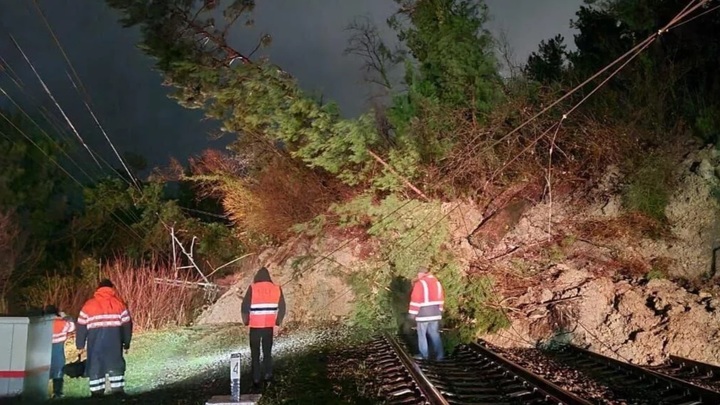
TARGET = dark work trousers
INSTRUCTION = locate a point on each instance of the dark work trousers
(264, 337)
(57, 362)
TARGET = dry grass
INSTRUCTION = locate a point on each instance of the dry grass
(630, 226)
(267, 201)
(153, 305)
(494, 154)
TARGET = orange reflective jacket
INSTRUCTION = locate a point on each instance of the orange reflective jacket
(104, 310)
(61, 329)
(264, 303)
(427, 299)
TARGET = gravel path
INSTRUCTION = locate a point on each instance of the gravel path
(311, 367)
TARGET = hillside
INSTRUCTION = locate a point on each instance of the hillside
(595, 275)
(575, 198)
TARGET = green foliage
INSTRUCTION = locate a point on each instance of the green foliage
(31, 185)
(414, 234)
(453, 67)
(313, 227)
(656, 274)
(68, 228)
(547, 65)
(674, 79)
(456, 64)
(649, 187)
(121, 219)
(253, 99)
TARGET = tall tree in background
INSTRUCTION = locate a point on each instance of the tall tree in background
(31, 184)
(673, 80)
(454, 52)
(548, 64)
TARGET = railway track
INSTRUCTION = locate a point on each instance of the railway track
(477, 374)
(701, 374)
(473, 374)
(671, 384)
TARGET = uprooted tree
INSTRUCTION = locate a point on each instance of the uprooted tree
(454, 128)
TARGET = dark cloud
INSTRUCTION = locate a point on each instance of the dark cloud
(308, 41)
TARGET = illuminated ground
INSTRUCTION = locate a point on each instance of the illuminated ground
(190, 365)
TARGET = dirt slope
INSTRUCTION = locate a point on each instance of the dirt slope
(313, 276)
(575, 268)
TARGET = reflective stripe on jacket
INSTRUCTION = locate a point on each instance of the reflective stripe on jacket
(427, 299)
(61, 328)
(105, 325)
(264, 304)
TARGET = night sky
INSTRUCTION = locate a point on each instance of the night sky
(127, 95)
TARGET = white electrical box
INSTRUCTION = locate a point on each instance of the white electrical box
(25, 349)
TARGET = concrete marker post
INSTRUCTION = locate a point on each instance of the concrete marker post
(235, 398)
(235, 376)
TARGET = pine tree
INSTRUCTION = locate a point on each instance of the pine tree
(254, 99)
(454, 52)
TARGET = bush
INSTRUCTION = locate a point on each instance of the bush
(153, 305)
(271, 201)
(414, 234)
(649, 187)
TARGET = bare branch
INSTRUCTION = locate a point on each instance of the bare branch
(507, 54)
(365, 42)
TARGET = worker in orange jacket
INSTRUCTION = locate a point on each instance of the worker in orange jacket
(263, 310)
(105, 325)
(63, 325)
(426, 307)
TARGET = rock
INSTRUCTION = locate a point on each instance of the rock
(706, 171)
(546, 295)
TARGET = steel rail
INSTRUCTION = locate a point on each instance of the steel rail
(705, 395)
(710, 370)
(431, 394)
(549, 389)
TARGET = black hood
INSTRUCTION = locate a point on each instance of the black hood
(262, 275)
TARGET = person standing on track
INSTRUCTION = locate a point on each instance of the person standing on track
(263, 310)
(63, 325)
(426, 307)
(105, 325)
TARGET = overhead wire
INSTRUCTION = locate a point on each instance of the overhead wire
(708, 11)
(689, 8)
(629, 56)
(81, 90)
(42, 130)
(60, 132)
(49, 118)
(58, 127)
(32, 141)
(49, 93)
(626, 58)
(114, 217)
